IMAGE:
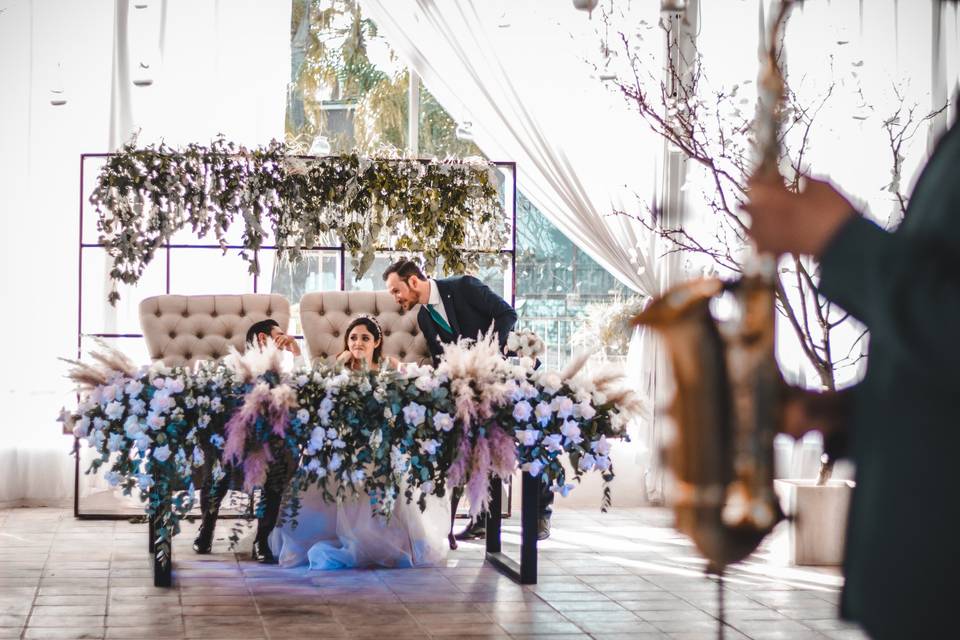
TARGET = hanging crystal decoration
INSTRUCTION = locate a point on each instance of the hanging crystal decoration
(58, 96)
(320, 146)
(586, 5)
(143, 78)
(464, 131)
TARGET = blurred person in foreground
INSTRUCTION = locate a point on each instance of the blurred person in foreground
(900, 424)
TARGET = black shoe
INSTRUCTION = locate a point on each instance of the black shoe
(204, 540)
(262, 554)
(476, 529)
(543, 528)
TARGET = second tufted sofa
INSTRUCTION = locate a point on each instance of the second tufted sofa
(325, 315)
(179, 330)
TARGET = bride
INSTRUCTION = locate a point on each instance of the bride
(348, 534)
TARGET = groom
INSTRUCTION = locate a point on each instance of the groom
(278, 473)
(450, 309)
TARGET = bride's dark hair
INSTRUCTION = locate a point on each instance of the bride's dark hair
(373, 327)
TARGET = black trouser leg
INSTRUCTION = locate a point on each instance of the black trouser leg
(278, 475)
(272, 498)
(211, 497)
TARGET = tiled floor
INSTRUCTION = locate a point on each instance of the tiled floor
(624, 574)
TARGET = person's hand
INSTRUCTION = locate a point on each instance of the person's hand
(287, 343)
(344, 357)
(805, 411)
(787, 222)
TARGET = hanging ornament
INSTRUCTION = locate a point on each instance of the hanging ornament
(586, 5)
(143, 77)
(320, 146)
(464, 131)
(58, 96)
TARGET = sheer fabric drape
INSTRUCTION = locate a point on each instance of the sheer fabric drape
(199, 59)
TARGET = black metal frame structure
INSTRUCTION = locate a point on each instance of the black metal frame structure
(525, 572)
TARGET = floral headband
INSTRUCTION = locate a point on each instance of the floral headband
(374, 320)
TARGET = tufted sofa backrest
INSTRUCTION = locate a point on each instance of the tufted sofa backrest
(325, 315)
(180, 330)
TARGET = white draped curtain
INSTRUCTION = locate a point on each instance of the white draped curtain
(202, 68)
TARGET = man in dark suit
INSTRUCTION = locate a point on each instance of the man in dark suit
(278, 473)
(901, 546)
(450, 309)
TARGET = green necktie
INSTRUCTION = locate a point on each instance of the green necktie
(439, 319)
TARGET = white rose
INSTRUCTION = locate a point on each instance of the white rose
(563, 490)
(587, 462)
(161, 453)
(553, 442)
(443, 421)
(543, 413)
(585, 410)
(551, 382)
(563, 406)
(114, 410)
(429, 446)
(534, 467)
(522, 411)
(528, 437)
(336, 460)
(303, 416)
(601, 446)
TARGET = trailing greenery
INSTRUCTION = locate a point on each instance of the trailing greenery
(449, 212)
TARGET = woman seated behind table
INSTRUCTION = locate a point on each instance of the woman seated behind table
(348, 534)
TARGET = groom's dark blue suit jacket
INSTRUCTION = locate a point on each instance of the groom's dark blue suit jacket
(472, 308)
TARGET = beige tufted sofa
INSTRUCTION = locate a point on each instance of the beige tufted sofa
(179, 330)
(325, 315)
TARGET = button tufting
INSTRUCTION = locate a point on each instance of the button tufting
(403, 354)
(336, 334)
(386, 334)
(185, 314)
(269, 312)
(188, 355)
(323, 355)
(173, 334)
(158, 314)
(228, 336)
(200, 336)
(242, 313)
(213, 314)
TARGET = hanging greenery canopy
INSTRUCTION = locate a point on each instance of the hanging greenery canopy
(448, 212)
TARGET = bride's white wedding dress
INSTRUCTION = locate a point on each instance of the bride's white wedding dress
(348, 535)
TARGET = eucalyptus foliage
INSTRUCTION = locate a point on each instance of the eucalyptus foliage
(449, 212)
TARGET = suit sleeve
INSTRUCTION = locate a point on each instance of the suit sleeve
(904, 287)
(430, 336)
(490, 305)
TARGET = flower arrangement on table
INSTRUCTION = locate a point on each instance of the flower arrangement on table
(609, 325)
(394, 434)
